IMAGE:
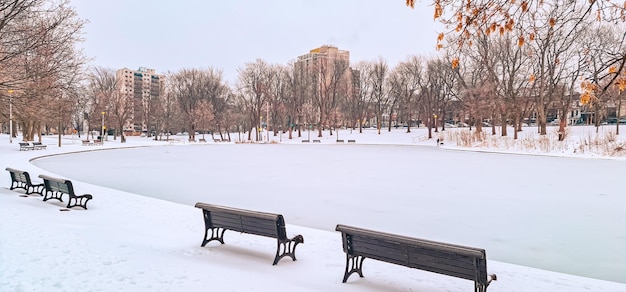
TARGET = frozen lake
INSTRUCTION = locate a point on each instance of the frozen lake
(560, 214)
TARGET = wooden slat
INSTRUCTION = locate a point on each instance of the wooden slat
(475, 252)
(225, 220)
(259, 226)
(391, 252)
(231, 210)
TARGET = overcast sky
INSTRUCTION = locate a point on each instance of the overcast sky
(170, 35)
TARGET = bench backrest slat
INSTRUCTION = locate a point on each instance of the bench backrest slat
(475, 252)
(458, 265)
(264, 228)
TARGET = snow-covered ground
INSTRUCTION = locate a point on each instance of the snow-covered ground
(560, 214)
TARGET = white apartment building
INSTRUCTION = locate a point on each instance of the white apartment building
(143, 87)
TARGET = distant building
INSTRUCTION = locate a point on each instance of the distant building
(326, 71)
(324, 52)
(144, 86)
(323, 61)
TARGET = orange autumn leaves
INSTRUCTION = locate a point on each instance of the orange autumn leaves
(589, 89)
(467, 18)
(588, 92)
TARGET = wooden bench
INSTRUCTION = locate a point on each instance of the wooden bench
(25, 146)
(443, 258)
(56, 187)
(317, 141)
(21, 180)
(351, 141)
(97, 142)
(39, 146)
(305, 141)
(339, 141)
(218, 219)
(87, 143)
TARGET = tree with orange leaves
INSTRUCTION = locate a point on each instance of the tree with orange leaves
(548, 29)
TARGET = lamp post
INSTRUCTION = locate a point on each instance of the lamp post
(10, 116)
(102, 129)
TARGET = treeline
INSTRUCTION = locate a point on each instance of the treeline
(566, 60)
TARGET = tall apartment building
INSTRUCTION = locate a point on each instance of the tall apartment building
(327, 75)
(323, 61)
(323, 52)
(143, 86)
(323, 65)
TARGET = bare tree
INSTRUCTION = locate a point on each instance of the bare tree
(435, 90)
(167, 112)
(558, 27)
(379, 95)
(404, 83)
(329, 75)
(282, 96)
(38, 59)
(109, 102)
(512, 78)
(358, 100)
(189, 88)
(253, 86)
(600, 48)
(302, 87)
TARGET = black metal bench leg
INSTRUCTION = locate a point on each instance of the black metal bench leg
(19, 185)
(14, 184)
(217, 233)
(78, 202)
(354, 264)
(288, 248)
(479, 287)
(37, 189)
(53, 195)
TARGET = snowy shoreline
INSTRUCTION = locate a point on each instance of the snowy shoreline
(130, 242)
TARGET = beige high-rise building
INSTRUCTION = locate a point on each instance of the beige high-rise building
(324, 65)
(144, 87)
(324, 52)
(323, 61)
(325, 75)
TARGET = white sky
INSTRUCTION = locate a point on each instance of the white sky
(129, 242)
(170, 35)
